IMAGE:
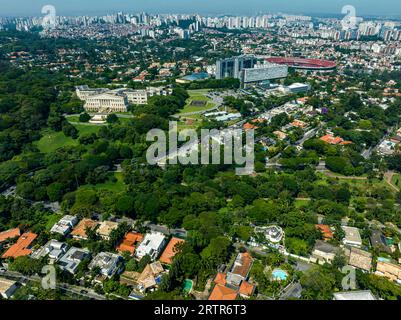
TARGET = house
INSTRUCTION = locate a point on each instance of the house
(330, 139)
(389, 270)
(71, 260)
(150, 277)
(170, 251)
(53, 249)
(152, 245)
(105, 229)
(221, 293)
(7, 288)
(79, 231)
(234, 283)
(354, 295)
(240, 270)
(360, 259)
(326, 231)
(9, 234)
(378, 241)
(108, 263)
(22, 247)
(324, 252)
(130, 242)
(352, 236)
(65, 225)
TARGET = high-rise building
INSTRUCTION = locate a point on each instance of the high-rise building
(231, 67)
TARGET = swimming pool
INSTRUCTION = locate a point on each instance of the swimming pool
(188, 284)
(279, 275)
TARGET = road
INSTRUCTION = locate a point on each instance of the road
(64, 287)
(388, 177)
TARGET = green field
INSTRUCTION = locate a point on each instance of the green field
(396, 180)
(197, 95)
(51, 141)
(117, 186)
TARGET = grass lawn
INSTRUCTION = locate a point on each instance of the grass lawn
(117, 186)
(396, 180)
(197, 95)
(52, 219)
(51, 141)
(299, 203)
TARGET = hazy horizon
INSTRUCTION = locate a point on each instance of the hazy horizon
(248, 7)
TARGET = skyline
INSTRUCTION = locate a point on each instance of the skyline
(250, 7)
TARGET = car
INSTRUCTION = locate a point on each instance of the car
(3, 270)
(84, 292)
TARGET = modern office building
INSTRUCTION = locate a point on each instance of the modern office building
(263, 72)
(232, 67)
(248, 70)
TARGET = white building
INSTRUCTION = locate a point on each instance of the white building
(71, 260)
(65, 225)
(352, 236)
(107, 101)
(7, 288)
(152, 245)
(53, 249)
(108, 263)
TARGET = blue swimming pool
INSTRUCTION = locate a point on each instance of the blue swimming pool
(279, 275)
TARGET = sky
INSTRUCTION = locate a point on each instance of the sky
(245, 7)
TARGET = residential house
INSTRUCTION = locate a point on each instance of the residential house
(9, 234)
(108, 263)
(150, 277)
(7, 287)
(65, 225)
(352, 236)
(240, 270)
(71, 260)
(221, 293)
(326, 231)
(105, 229)
(354, 295)
(79, 231)
(171, 250)
(152, 245)
(130, 242)
(360, 259)
(389, 270)
(22, 247)
(378, 241)
(324, 252)
(53, 249)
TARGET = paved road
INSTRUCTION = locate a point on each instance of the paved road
(77, 290)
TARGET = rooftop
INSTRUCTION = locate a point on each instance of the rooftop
(9, 234)
(171, 250)
(21, 247)
(80, 230)
(354, 295)
(131, 240)
(223, 293)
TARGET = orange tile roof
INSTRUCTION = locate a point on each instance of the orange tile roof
(334, 140)
(21, 247)
(220, 278)
(245, 262)
(130, 242)
(325, 229)
(246, 289)
(248, 126)
(80, 229)
(223, 293)
(170, 251)
(9, 234)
